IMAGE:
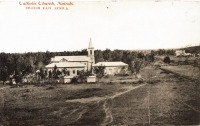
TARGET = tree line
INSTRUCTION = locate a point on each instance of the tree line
(21, 64)
(164, 52)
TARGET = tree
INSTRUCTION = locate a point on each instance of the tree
(107, 55)
(83, 52)
(29, 69)
(132, 67)
(99, 71)
(167, 60)
(98, 54)
(140, 55)
(117, 55)
(41, 73)
(55, 72)
(149, 57)
(82, 77)
(64, 71)
(50, 74)
(58, 73)
(17, 78)
(3, 74)
(123, 72)
(135, 67)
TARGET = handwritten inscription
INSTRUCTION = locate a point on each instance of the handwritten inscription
(46, 5)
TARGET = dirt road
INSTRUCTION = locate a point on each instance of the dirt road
(169, 100)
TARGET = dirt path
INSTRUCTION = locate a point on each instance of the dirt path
(108, 118)
(98, 99)
(108, 114)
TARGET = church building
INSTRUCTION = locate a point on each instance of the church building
(73, 64)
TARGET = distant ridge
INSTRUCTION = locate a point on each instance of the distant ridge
(192, 49)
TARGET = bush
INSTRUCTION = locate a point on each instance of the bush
(74, 80)
(99, 71)
(167, 59)
(123, 72)
(81, 78)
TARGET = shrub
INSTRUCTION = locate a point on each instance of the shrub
(136, 66)
(167, 59)
(74, 80)
(99, 71)
(82, 77)
(123, 72)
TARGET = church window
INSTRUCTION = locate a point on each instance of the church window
(73, 71)
(78, 72)
(68, 73)
(90, 52)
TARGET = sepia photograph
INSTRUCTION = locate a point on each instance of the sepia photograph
(99, 63)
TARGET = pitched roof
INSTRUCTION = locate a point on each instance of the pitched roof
(109, 64)
(65, 65)
(70, 58)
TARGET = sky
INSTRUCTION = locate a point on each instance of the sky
(113, 24)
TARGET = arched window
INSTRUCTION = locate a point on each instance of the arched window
(68, 72)
(78, 72)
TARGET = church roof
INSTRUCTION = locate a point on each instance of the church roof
(65, 65)
(70, 58)
(90, 44)
(110, 64)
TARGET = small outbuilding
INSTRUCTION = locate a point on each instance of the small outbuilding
(112, 68)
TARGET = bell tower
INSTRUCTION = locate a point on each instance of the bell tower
(90, 55)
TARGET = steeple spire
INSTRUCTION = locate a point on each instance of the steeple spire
(90, 55)
(90, 44)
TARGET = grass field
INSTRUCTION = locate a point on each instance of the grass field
(185, 70)
(33, 105)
